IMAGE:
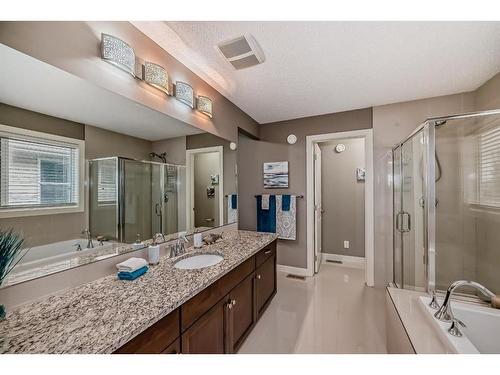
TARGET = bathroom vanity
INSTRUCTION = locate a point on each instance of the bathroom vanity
(168, 310)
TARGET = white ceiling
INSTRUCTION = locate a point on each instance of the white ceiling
(32, 84)
(313, 68)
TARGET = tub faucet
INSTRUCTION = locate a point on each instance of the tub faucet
(88, 236)
(445, 312)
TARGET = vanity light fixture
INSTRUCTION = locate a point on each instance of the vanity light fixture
(117, 52)
(156, 76)
(204, 105)
(291, 139)
(184, 93)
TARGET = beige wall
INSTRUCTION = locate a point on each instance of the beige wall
(273, 147)
(343, 198)
(101, 143)
(175, 149)
(75, 48)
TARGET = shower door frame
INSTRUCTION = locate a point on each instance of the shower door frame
(429, 129)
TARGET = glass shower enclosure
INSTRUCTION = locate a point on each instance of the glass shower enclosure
(130, 198)
(446, 203)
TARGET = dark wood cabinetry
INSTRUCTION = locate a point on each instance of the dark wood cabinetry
(208, 334)
(156, 339)
(265, 283)
(219, 318)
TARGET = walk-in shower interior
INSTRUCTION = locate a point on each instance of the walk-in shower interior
(446, 203)
(131, 198)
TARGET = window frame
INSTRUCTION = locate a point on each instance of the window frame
(32, 135)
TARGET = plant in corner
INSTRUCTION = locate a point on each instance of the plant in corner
(11, 245)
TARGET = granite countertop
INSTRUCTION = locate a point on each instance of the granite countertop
(101, 316)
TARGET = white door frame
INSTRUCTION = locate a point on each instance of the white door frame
(190, 186)
(367, 134)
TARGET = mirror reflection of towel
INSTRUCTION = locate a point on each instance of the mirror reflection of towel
(286, 217)
(232, 208)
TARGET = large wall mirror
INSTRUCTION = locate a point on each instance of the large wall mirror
(86, 174)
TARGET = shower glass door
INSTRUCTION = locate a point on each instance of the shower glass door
(409, 209)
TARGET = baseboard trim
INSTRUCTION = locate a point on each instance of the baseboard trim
(293, 270)
(350, 261)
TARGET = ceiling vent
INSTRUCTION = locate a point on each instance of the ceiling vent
(242, 52)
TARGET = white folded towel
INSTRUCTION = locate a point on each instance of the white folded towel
(265, 202)
(131, 265)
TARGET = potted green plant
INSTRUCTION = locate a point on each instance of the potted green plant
(11, 247)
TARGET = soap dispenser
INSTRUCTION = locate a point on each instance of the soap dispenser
(154, 249)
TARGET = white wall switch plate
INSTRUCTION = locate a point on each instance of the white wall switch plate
(346, 244)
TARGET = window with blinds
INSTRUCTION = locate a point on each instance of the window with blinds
(37, 173)
(106, 182)
(489, 168)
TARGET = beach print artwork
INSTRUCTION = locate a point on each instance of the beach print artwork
(276, 175)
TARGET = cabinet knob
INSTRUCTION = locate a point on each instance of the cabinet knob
(258, 277)
(229, 305)
(233, 302)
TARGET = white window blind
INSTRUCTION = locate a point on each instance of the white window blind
(106, 181)
(38, 173)
(489, 168)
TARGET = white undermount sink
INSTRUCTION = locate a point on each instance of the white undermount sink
(198, 261)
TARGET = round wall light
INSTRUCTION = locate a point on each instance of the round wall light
(291, 139)
(340, 148)
(232, 146)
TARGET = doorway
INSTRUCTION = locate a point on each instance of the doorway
(340, 200)
(205, 187)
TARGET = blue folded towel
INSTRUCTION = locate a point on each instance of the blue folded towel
(234, 201)
(132, 275)
(285, 202)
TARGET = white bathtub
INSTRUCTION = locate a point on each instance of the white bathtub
(58, 251)
(481, 334)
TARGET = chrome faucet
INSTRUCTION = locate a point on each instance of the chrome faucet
(88, 236)
(157, 237)
(179, 247)
(445, 312)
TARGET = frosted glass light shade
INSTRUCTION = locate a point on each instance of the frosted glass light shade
(156, 76)
(184, 93)
(117, 52)
(204, 105)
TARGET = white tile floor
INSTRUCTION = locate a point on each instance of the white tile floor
(333, 312)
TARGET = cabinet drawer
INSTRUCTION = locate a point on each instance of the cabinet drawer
(265, 253)
(193, 309)
(156, 338)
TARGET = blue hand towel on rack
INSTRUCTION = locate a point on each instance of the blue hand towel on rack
(285, 202)
(234, 201)
(266, 219)
(132, 275)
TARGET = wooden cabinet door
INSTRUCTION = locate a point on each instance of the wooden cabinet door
(208, 334)
(265, 283)
(242, 313)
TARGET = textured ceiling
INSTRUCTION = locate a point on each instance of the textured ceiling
(313, 68)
